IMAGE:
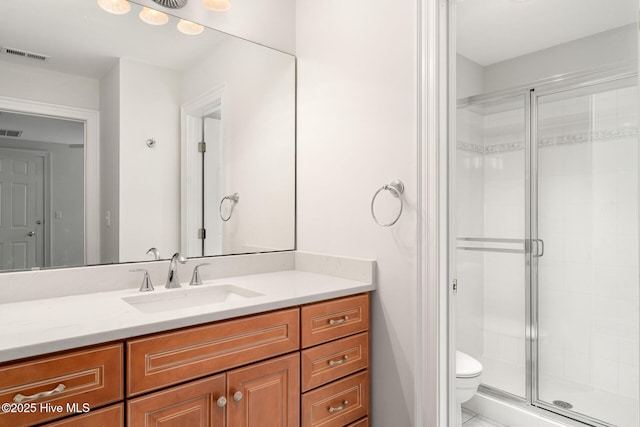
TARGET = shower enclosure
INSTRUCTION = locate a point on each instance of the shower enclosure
(547, 246)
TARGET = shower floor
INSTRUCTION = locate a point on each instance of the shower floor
(471, 419)
(613, 408)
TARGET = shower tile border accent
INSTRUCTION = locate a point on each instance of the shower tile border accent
(577, 138)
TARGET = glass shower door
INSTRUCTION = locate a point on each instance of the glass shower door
(585, 229)
(490, 257)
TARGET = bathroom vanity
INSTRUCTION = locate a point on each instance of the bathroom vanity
(296, 352)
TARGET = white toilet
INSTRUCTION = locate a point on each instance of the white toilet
(468, 373)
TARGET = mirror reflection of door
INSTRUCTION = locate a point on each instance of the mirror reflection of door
(42, 212)
(21, 209)
(211, 183)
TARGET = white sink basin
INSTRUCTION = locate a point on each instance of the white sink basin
(152, 302)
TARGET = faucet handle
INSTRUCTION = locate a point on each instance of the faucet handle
(196, 280)
(146, 285)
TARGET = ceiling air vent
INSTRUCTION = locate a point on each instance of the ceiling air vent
(172, 4)
(11, 133)
(24, 53)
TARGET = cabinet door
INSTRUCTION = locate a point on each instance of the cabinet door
(265, 394)
(194, 404)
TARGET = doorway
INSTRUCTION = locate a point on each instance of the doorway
(22, 209)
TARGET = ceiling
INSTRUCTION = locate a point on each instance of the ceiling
(490, 31)
(42, 129)
(84, 40)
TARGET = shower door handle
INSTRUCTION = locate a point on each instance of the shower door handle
(539, 247)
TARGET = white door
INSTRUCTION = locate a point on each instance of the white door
(21, 210)
(212, 187)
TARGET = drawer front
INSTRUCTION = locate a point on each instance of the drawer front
(112, 416)
(194, 404)
(93, 376)
(326, 321)
(173, 357)
(337, 404)
(360, 423)
(333, 360)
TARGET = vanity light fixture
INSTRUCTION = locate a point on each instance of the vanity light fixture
(217, 5)
(189, 28)
(117, 7)
(153, 17)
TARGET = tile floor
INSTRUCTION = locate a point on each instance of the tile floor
(471, 419)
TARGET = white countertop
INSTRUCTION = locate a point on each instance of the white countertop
(43, 326)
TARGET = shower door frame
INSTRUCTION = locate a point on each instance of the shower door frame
(531, 93)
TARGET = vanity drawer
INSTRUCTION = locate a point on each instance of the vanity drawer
(334, 319)
(337, 404)
(112, 416)
(333, 360)
(170, 358)
(92, 376)
(360, 423)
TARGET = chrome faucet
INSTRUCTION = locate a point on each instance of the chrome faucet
(172, 277)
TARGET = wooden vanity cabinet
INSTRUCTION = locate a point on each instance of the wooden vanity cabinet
(242, 372)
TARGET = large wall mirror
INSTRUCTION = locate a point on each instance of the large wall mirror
(122, 141)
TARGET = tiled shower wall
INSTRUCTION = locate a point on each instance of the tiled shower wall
(588, 218)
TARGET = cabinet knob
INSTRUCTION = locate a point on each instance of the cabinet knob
(237, 396)
(222, 401)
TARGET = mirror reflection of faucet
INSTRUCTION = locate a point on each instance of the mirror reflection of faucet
(172, 278)
(155, 252)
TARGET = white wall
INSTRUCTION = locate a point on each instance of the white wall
(469, 77)
(356, 132)
(35, 84)
(149, 177)
(618, 46)
(271, 23)
(258, 141)
(110, 165)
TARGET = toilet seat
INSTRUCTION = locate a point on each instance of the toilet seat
(467, 366)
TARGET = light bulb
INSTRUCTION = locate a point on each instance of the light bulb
(153, 17)
(189, 28)
(217, 5)
(117, 7)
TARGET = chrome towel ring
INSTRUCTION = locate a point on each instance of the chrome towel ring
(396, 188)
(233, 199)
